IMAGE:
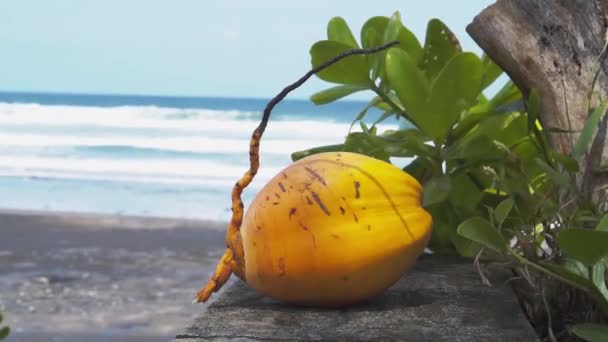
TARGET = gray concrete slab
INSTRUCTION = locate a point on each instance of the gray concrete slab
(441, 299)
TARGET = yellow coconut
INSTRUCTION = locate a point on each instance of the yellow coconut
(329, 230)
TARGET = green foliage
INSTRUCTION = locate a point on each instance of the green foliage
(589, 130)
(351, 70)
(335, 93)
(585, 245)
(440, 46)
(337, 30)
(491, 181)
(459, 135)
(4, 331)
(481, 231)
(454, 90)
(591, 332)
(409, 84)
(436, 190)
(491, 71)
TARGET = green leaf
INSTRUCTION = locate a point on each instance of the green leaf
(482, 231)
(407, 40)
(464, 195)
(350, 70)
(603, 224)
(509, 93)
(465, 247)
(572, 275)
(509, 129)
(391, 33)
(455, 89)
(568, 163)
(557, 177)
(409, 43)
(475, 149)
(467, 123)
(374, 102)
(440, 46)
(392, 28)
(599, 279)
(410, 85)
(383, 117)
(370, 38)
(575, 279)
(491, 71)
(589, 130)
(575, 267)
(419, 168)
(586, 245)
(335, 93)
(503, 209)
(366, 144)
(394, 99)
(383, 106)
(410, 140)
(364, 127)
(337, 30)
(591, 332)
(436, 190)
(374, 33)
(444, 223)
(329, 148)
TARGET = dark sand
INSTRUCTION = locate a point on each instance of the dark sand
(70, 277)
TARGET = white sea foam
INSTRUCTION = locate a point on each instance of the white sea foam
(182, 130)
(190, 121)
(153, 147)
(198, 144)
(135, 167)
(157, 170)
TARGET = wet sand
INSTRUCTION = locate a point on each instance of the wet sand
(72, 277)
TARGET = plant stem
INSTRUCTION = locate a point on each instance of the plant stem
(599, 299)
(541, 269)
(393, 105)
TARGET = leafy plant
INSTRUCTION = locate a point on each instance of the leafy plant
(458, 134)
(494, 186)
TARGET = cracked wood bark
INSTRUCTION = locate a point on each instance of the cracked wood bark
(552, 46)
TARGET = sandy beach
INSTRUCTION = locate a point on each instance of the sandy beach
(76, 277)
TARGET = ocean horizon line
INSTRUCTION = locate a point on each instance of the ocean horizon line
(161, 96)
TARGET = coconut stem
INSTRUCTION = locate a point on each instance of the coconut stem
(221, 275)
(233, 259)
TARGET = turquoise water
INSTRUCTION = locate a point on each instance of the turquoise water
(149, 155)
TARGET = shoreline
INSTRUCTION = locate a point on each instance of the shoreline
(68, 276)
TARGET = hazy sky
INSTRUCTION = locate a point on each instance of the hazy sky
(242, 48)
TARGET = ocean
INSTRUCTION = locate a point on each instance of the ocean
(150, 155)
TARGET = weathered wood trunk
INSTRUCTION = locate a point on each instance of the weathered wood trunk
(553, 46)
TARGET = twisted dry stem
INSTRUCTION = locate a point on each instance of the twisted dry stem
(233, 259)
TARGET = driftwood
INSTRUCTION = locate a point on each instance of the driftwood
(554, 46)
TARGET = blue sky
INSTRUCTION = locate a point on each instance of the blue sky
(230, 48)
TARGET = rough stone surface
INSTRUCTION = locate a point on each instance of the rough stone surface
(439, 300)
